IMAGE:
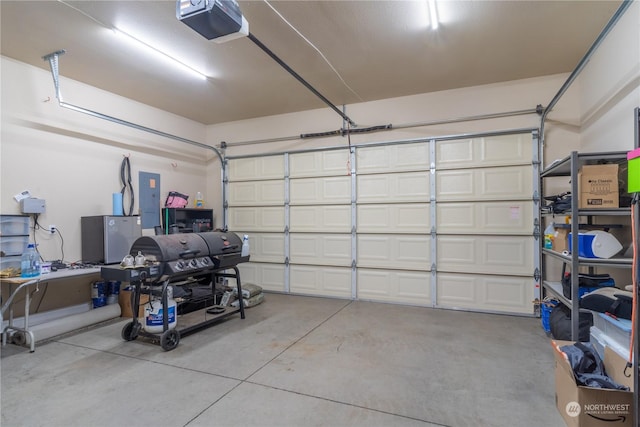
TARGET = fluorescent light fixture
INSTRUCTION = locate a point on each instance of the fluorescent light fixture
(158, 53)
(433, 14)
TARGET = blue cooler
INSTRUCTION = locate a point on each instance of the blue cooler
(585, 245)
(596, 244)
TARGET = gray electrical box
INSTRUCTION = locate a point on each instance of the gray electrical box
(32, 205)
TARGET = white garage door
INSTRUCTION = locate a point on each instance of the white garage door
(441, 222)
(255, 205)
(394, 223)
(486, 251)
(320, 224)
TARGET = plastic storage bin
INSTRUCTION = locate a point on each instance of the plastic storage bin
(14, 225)
(597, 340)
(617, 331)
(13, 245)
(10, 262)
(600, 340)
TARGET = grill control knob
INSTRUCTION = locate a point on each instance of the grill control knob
(205, 261)
(179, 265)
(194, 262)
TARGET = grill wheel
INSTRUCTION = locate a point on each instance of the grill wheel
(169, 339)
(130, 331)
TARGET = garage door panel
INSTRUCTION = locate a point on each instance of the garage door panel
(506, 150)
(322, 281)
(269, 276)
(256, 218)
(317, 191)
(505, 183)
(409, 287)
(328, 219)
(486, 254)
(455, 185)
(509, 294)
(319, 163)
(389, 188)
(256, 193)
(256, 168)
(513, 217)
(393, 158)
(320, 249)
(394, 251)
(265, 247)
(502, 150)
(394, 218)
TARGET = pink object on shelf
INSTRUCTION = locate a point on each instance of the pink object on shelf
(633, 154)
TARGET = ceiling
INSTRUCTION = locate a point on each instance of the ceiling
(354, 51)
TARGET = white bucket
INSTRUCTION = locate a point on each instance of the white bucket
(153, 312)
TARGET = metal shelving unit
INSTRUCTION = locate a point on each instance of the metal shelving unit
(569, 167)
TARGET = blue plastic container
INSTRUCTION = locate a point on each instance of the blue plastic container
(98, 294)
(113, 287)
(585, 245)
(545, 311)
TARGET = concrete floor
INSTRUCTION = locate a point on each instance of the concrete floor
(294, 361)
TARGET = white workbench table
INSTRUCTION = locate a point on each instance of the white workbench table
(25, 283)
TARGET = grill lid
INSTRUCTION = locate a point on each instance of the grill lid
(225, 248)
(220, 243)
(188, 253)
(176, 254)
(170, 247)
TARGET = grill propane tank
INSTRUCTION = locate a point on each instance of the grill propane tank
(153, 311)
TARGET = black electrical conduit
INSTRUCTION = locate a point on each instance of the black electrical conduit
(53, 63)
(299, 78)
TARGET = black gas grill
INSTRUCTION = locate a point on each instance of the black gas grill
(171, 258)
(179, 255)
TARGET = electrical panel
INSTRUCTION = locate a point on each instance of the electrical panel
(32, 205)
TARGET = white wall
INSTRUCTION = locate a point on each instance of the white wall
(607, 90)
(437, 106)
(72, 160)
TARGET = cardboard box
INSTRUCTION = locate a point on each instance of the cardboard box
(124, 299)
(582, 406)
(560, 242)
(598, 187)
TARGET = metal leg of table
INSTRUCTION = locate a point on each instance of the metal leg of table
(27, 304)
